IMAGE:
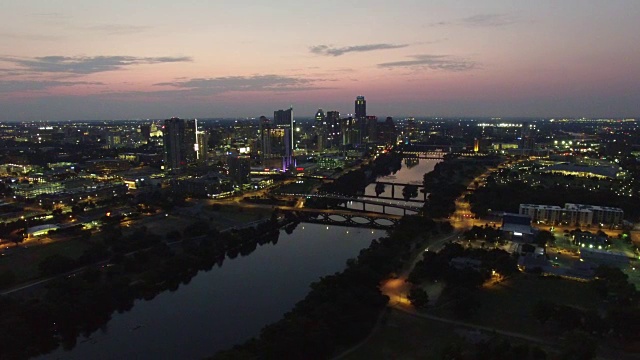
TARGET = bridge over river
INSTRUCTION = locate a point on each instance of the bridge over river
(346, 218)
(347, 199)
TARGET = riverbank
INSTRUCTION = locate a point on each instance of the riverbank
(83, 302)
(340, 309)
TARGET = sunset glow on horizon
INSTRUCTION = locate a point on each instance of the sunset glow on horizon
(72, 59)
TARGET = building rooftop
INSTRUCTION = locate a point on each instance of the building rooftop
(518, 229)
(509, 218)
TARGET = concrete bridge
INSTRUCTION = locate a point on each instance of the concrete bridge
(387, 221)
(393, 191)
(364, 202)
(434, 155)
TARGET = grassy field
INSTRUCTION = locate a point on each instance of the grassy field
(403, 336)
(508, 305)
(24, 261)
(165, 224)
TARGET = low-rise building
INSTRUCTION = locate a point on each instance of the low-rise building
(517, 228)
(573, 214)
(41, 230)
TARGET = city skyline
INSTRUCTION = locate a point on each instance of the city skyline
(71, 60)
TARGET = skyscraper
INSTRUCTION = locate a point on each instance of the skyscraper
(320, 126)
(283, 119)
(175, 147)
(387, 132)
(361, 108)
(334, 129)
(184, 143)
(372, 129)
(240, 168)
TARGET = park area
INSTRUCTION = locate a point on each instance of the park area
(508, 304)
(23, 260)
(405, 336)
(506, 307)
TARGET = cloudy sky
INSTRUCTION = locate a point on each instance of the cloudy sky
(117, 59)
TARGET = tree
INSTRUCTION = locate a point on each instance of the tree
(410, 191)
(418, 297)
(543, 310)
(578, 345)
(544, 237)
(7, 278)
(56, 264)
(379, 188)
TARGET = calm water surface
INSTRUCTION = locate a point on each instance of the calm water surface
(406, 175)
(226, 305)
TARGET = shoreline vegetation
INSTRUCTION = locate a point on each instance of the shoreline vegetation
(82, 303)
(341, 309)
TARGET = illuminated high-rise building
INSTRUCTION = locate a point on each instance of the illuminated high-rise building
(333, 129)
(361, 108)
(175, 145)
(387, 132)
(320, 129)
(184, 143)
(197, 142)
(371, 134)
(283, 119)
(240, 168)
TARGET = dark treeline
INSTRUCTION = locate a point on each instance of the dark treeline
(340, 309)
(83, 303)
(618, 320)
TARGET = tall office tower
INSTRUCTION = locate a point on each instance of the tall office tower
(387, 133)
(265, 138)
(527, 138)
(410, 130)
(320, 127)
(371, 134)
(283, 119)
(145, 131)
(191, 141)
(175, 146)
(351, 131)
(360, 121)
(240, 168)
(334, 131)
(361, 108)
(202, 141)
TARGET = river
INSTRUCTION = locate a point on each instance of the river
(230, 304)
(412, 172)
